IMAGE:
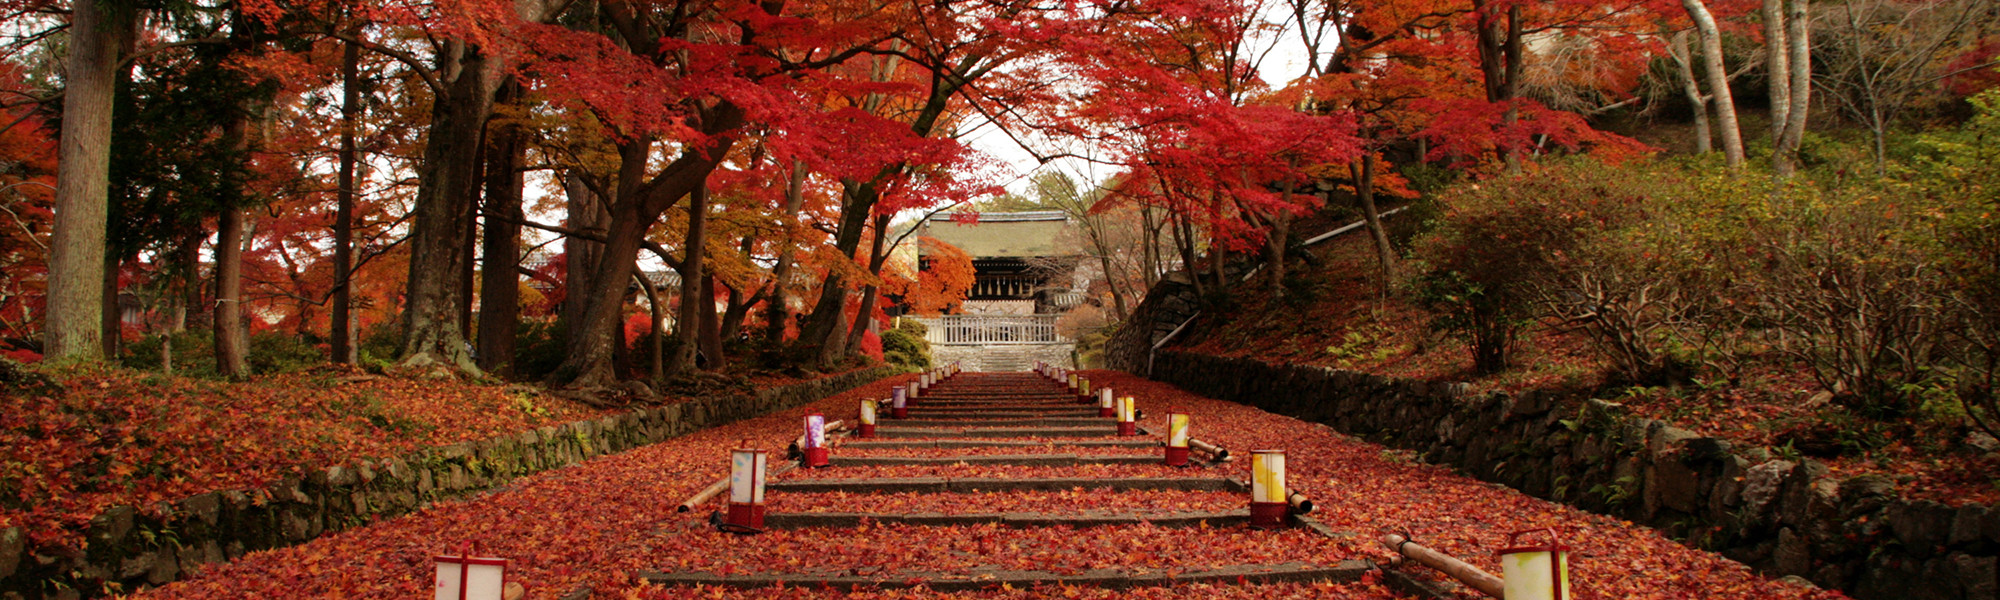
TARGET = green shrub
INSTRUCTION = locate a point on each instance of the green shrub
(380, 343)
(193, 353)
(905, 346)
(277, 352)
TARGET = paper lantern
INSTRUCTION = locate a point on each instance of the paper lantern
(867, 429)
(1535, 571)
(899, 404)
(814, 448)
(746, 488)
(1268, 508)
(1106, 404)
(1177, 439)
(465, 577)
(1128, 415)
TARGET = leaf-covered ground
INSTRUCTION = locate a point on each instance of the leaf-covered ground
(599, 523)
(120, 437)
(1340, 319)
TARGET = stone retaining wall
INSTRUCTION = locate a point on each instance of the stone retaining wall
(1170, 303)
(1782, 517)
(129, 548)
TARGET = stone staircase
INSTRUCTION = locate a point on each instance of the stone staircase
(952, 454)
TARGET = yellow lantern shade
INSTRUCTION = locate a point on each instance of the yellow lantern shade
(1268, 509)
(1535, 571)
(1177, 439)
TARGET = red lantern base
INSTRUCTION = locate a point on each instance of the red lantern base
(1269, 515)
(746, 515)
(1083, 398)
(1106, 412)
(1128, 428)
(1177, 457)
(814, 458)
(899, 413)
(866, 431)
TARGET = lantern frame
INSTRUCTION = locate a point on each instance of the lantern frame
(748, 468)
(813, 453)
(1518, 573)
(1268, 509)
(1178, 424)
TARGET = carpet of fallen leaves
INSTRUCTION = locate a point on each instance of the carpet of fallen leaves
(884, 550)
(1769, 402)
(600, 523)
(122, 437)
(1002, 471)
(133, 438)
(1133, 501)
(841, 450)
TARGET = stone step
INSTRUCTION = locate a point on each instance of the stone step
(888, 431)
(1004, 422)
(960, 485)
(1007, 412)
(1021, 460)
(1089, 518)
(984, 579)
(1001, 443)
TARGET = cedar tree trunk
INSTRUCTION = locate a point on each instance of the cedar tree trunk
(76, 251)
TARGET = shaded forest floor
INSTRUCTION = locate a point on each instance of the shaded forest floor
(629, 526)
(1336, 316)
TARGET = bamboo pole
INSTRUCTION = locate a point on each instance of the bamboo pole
(718, 487)
(1470, 575)
(1217, 452)
(1300, 503)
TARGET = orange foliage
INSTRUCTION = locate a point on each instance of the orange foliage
(942, 283)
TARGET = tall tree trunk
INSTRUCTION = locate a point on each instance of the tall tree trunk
(739, 300)
(638, 207)
(877, 255)
(1500, 63)
(827, 327)
(72, 327)
(468, 257)
(1384, 252)
(1778, 82)
(711, 323)
(230, 343)
(687, 329)
(586, 213)
(432, 329)
(499, 277)
(1183, 235)
(657, 335)
(1150, 235)
(1718, 81)
(342, 328)
(1516, 60)
(1276, 240)
(778, 309)
(1704, 140)
(1798, 32)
